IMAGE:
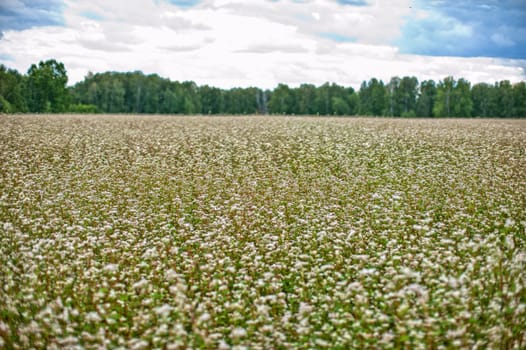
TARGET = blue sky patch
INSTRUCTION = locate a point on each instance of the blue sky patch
(92, 15)
(353, 2)
(6, 58)
(338, 37)
(184, 3)
(24, 14)
(467, 28)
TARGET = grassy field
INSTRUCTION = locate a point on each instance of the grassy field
(261, 232)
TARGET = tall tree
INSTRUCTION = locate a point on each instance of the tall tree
(262, 101)
(342, 102)
(46, 87)
(442, 106)
(211, 100)
(191, 100)
(373, 98)
(453, 98)
(462, 104)
(484, 97)
(353, 100)
(505, 99)
(306, 99)
(392, 89)
(340, 106)
(11, 91)
(426, 99)
(406, 96)
(323, 99)
(282, 100)
(519, 97)
(170, 101)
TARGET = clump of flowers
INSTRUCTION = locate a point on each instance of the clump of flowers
(261, 232)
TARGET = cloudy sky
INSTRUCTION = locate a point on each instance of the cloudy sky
(228, 43)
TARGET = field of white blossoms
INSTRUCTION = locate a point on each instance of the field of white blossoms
(141, 232)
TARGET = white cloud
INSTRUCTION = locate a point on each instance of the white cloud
(238, 43)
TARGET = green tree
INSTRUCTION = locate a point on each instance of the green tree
(134, 88)
(373, 98)
(406, 96)
(82, 109)
(392, 88)
(262, 101)
(46, 87)
(170, 101)
(282, 100)
(519, 97)
(5, 106)
(453, 98)
(484, 97)
(92, 93)
(106, 91)
(151, 94)
(11, 91)
(505, 99)
(322, 101)
(305, 99)
(342, 100)
(191, 100)
(426, 99)
(247, 100)
(110, 94)
(211, 100)
(462, 104)
(340, 106)
(442, 106)
(353, 100)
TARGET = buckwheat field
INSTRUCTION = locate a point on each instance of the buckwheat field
(140, 232)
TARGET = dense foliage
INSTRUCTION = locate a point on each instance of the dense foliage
(137, 232)
(43, 89)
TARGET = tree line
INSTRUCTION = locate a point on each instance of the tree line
(44, 90)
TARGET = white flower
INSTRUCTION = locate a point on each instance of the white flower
(204, 317)
(510, 242)
(417, 289)
(455, 333)
(238, 332)
(111, 268)
(139, 344)
(223, 345)
(68, 342)
(163, 310)
(174, 346)
(171, 275)
(305, 308)
(368, 272)
(509, 222)
(93, 317)
(173, 289)
(322, 343)
(140, 284)
(150, 253)
(3, 328)
(387, 337)
(452, 282)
